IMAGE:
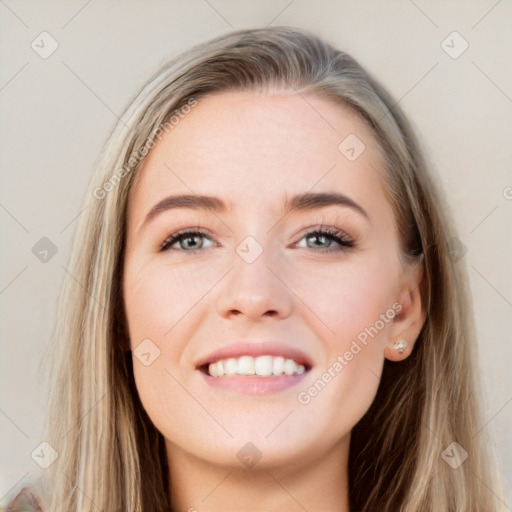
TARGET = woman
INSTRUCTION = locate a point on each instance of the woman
(208, 357)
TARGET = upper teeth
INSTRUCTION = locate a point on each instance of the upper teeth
(264, 366)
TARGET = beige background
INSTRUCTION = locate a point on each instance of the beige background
(57, 112)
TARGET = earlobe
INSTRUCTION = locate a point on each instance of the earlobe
(398, 350)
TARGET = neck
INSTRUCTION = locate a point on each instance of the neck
(315, 483)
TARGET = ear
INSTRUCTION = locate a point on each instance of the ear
(411, 313)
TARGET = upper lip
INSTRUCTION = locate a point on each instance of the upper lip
(255, 349)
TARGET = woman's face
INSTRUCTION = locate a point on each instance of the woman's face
(259, 285)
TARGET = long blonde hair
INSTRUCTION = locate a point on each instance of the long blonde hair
(112, 458)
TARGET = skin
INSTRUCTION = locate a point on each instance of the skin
(252, 149)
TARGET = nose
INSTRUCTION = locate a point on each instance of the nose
(255, 290)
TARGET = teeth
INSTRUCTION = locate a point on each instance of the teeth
(289, 366)
(244, 366)
(230, 366)
(278, 365)
(263, 366)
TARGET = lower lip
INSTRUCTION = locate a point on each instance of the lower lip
(254, 385)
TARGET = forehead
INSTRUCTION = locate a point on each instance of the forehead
(254, 148)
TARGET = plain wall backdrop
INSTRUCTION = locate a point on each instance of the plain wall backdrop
(58, 109)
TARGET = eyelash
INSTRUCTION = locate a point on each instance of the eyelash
(339, 236)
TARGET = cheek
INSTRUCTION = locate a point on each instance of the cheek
(157, 301)
(162, 305)
(350, 301)
(345, 384)
(353, 315)
(158, 297)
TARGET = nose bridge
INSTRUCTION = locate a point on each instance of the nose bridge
(253, 289)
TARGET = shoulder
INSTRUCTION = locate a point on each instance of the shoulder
(25, 501)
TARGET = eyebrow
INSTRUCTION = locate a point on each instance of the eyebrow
(312, 200)
(299, 202)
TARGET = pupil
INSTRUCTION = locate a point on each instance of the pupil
(190, 238)
(317, 237)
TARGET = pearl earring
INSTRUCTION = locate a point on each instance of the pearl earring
(400, 346)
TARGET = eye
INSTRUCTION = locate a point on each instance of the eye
(190, 240)
(325, 235)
